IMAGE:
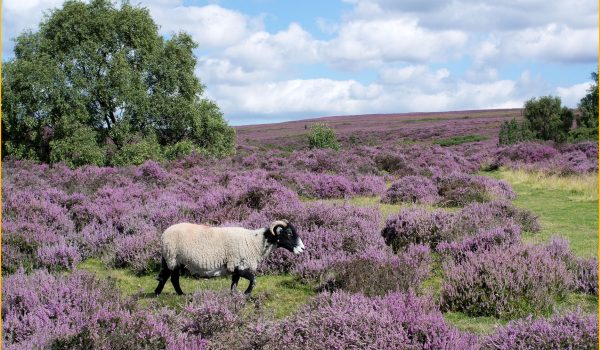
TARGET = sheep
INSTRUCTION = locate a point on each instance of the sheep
(216, 251)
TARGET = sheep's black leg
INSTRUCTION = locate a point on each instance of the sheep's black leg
(175, 280)
(250, 277)
(162, 278)
(234, 279)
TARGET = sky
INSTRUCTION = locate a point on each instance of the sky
(268, 61)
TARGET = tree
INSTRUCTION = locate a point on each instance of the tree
(547, 119)
(322, 136)
(588, 106)
(107, 70)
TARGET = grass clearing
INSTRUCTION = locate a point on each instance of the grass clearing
(567, 206)
(281, 293)
(459, 140)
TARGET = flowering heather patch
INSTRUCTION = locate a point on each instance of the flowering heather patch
(570, 331)
(208, 313)
(481, 242)
(577, 158)
(477, 216)
(461, 189)
(323, 185)
(412, 189)
(41, 310)
(504, 281)
(417, 226)
(372, 272)
(584, 271)
(341, 321)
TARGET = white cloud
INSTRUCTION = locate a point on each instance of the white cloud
(372, 42)
(210, 26)
(571, 95)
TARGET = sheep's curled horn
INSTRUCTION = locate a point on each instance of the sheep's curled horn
(282, 223)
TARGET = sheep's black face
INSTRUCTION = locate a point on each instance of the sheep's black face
(287, 237)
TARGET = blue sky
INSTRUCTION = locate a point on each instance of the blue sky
(275, 60)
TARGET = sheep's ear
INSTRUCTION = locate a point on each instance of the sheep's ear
(278, 230)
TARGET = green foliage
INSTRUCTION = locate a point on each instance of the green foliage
(457, 140)
(514, 132)
(138, 151)
(109, 72)
(181, 148)
(77, 147)
(589, 110)
(322, 136)
(547, 119)
(582, 133)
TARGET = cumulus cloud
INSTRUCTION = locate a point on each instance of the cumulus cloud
(571, 95)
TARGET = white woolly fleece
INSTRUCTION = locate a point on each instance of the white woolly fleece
(208, 251)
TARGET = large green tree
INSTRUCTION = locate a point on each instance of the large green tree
(547, 119)
(102, 76)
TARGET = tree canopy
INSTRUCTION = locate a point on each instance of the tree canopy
(95, 81)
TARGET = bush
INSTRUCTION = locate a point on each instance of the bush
(374, 272)
(412, 189)
(417, 226)
(180, 149)
(505, 281)
(322, 136)
(547, 119)
(589, 110)
(344, 321)
(481, 242)
(570, 331)
(514, 132)
(43, 311)
(461, 189)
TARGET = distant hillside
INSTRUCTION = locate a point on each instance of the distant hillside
(375, 129)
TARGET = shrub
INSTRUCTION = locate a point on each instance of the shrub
(512, 132)
(341, 321)
(547, 119)
(374, 272)
(416, 226)
(570, 331)
(481, 242)
(461, 189)
(589, 110)
(583, 271)
(480, 216)
(78, 147)
(180, 149)
(505, 281)
(323, 185)
(43, 311)
(412, 189)
(322, 136)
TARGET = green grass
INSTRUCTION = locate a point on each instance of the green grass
(565, 206)
(458, 140)
(282, 293)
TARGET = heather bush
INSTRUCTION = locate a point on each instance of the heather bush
(78, 311)
(354, 321)
(584, 272)
(412, 189)
(479, 243)
(570, 331)
(323, 185)
(478, 216)
(461, 189)
(208, 313)
(505, 281)
(417, 226)
(373, 272)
